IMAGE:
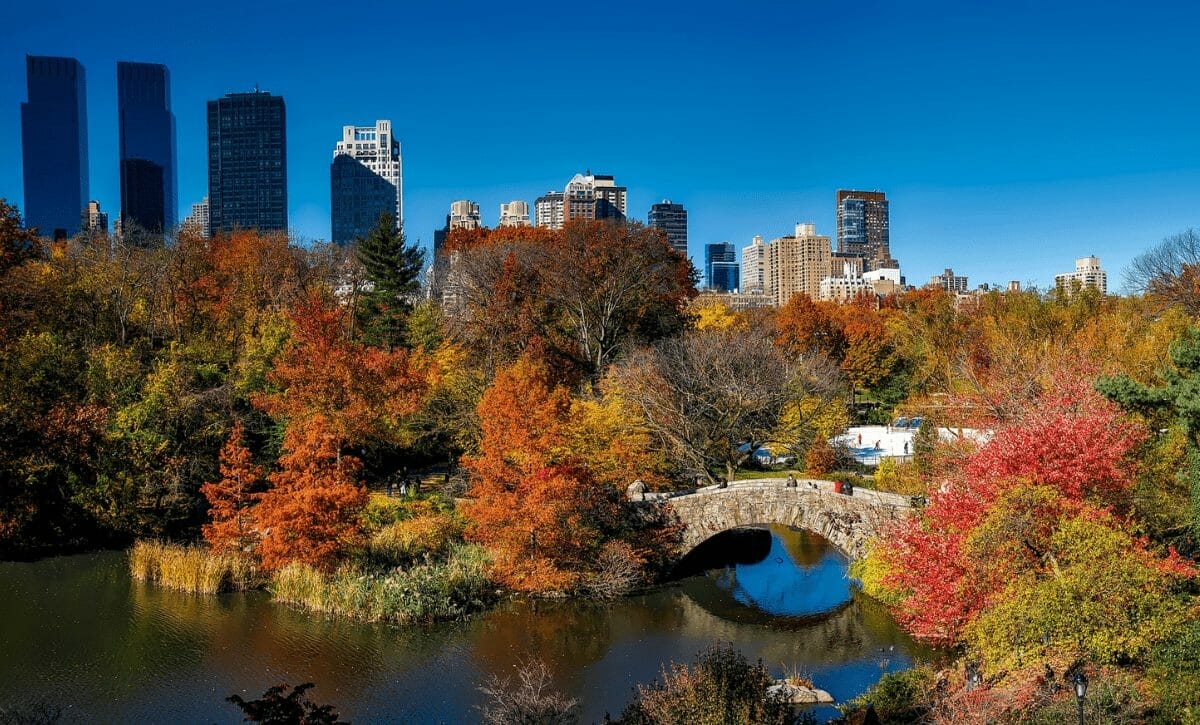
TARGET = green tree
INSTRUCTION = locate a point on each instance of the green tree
(1178, 395)
(392, 270)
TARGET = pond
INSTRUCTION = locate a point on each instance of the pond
(76, 632)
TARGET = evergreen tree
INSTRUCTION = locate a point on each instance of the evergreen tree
(393, 268)
(1179, 395)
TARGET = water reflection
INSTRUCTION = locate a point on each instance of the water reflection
(77, 632)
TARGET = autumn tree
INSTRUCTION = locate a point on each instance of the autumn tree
(17, 244)
(1170, 271)
(537, 510)
(310, 513)
(231, 498)
(392, 272)
(711, 398)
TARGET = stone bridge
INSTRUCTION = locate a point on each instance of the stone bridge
(847, 521)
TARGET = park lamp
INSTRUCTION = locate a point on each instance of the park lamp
(974, 676)
(1080, 681)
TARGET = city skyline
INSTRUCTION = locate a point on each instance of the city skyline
(991, 164)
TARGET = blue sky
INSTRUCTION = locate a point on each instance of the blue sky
(1010, 139)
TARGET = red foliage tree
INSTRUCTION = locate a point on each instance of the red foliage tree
(310, 513)
(1071, 440)
(231, 499)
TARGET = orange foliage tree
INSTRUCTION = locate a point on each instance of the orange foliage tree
(539, 512)
(310, 513)
(231, 498)
(360, 392)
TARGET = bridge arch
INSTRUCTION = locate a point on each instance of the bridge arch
(847, 521)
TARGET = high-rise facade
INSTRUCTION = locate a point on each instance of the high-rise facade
(721, 267)
(94, 222)
(514, 214)
(247, 162)
(464, 215)
(754, 266)
(1088, 273)
(672, 219)
(548, 210)
(949, 281)
(797, 264)
(863, 227)
(146, 128)
(593, 196)
(54, 145)
(197, 223)
(366, 180)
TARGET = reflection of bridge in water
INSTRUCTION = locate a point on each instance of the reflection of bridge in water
(847, 521)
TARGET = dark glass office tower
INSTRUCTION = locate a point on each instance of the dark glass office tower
(54, 149)
(147, 136)
(721, 267)
(247, 162)
(672, 219)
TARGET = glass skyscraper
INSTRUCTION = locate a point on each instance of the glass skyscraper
(672, 219)
(721, 267)
(54, 148)
(247, 162)
(147, 138)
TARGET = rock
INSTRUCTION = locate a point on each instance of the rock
(798, 694)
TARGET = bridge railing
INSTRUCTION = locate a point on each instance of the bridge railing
(803, 485)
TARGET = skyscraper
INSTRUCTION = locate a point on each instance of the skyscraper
(94, 222)
(754, 266)
(146, 127)
(247, 162)
(593, 196)
(797, 264)
(720, 267)
(863, 227)
(514, 214)
(366, 179)
(197, 223)
(54, 147)
(672, 219)
(548, 210)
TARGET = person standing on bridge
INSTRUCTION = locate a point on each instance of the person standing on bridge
(791, 481)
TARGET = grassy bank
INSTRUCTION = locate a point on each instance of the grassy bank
(194, 568)
(424, 592)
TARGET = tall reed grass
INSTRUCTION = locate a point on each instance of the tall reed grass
(192, 568)
(426, 592)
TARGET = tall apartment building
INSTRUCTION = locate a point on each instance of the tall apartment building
(247, 162)
(366, 180)
(797, 264)
(548, 210)
(587, 196)
(1088, 273)
(147, 146)
(444, 280)
(673, 220)
(54, 145)
(863, 227)
(721, 267)
(754, 266)
(464, 215)
(514, 214)
(949, 281)
(197, 223)
(94, 221)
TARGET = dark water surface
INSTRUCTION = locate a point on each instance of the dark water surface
(76, 631)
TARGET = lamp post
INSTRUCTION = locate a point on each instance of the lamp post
(1081, 684)
(974, 676)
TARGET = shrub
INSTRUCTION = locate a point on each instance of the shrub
(820, 458)
(295, 707)
(410, 539)
(529, 699)
(618, 571)
(721, 688)
(1175, 673)
(424, 592)
(901, 478)
(898, 697)
(195, 569)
